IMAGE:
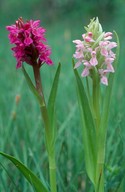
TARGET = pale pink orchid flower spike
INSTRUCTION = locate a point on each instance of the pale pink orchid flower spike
(94, 52)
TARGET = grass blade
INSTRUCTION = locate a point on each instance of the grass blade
(28, 174)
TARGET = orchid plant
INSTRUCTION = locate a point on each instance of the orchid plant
(28, 38)
(94, 53)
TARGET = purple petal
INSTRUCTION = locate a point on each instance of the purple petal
(28, 41)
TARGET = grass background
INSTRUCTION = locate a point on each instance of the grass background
(21, 129)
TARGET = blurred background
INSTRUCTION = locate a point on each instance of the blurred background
(21, 134)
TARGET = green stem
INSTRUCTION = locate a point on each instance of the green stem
(43, 109)
(88, 89)
(50, 150)
(52, 172)
(49, 145)
(99, 185)
(37, 77)
(96, 101)
(100, 159)
(89, 96)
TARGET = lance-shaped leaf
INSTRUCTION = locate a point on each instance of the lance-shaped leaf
(32, 87)
(28, 174)
(51, 101)
(88, 128)
(106, 107)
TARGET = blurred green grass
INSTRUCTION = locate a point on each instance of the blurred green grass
(21, 129)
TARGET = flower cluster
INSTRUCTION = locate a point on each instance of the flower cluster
(95, 52)
(29, 40)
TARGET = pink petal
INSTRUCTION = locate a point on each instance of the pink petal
(85, 72)
(104, 51)
(34, 24)
(49, 61)
(107, 34)
(108, 38)
(86, 63)
(112, 45)
(93, 60)
(28, 41)
(112, 54)
(77, 64)
(77, 41)
(109, 60)
(11, 28)
(104, 80)
(103, 43)
(78, 55)
(88, 39)
(83, 36)
(110, 68)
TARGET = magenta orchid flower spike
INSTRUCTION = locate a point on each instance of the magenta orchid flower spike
(94, 52)
(30, 47)
(29, 42)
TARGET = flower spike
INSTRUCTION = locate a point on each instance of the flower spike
(29, 40)
(95, 51)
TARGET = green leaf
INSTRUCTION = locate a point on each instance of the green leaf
(32, 87)
(53, 92)
(28, 174)
(89, 130)
(51, 101)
